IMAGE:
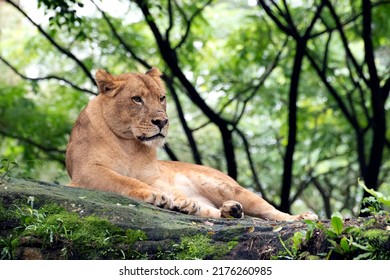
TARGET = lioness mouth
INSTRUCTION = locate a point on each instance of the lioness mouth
(143, 138)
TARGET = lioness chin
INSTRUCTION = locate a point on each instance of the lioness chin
(113, 146)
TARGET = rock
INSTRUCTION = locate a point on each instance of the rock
(49, 221)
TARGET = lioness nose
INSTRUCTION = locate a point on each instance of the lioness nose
(160, 122)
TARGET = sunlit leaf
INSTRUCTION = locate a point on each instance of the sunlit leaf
(337, 223)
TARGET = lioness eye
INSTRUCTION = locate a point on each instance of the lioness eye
(137, 99)
(162, 99)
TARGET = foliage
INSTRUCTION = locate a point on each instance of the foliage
(376, 199)
(6, 166)
(341, 241)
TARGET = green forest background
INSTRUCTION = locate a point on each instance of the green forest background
(291, 98)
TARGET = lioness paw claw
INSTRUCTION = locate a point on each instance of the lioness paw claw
(308, 216)
(160, 200)
(187, 206)
(232, 209)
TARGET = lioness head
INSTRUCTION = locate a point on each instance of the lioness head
(134, 105)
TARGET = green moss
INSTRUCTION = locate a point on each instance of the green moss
(76, 237)
(198, 247)
(194, 247)
(6, 215)
(52, 208)
(376, 235)
(370, 222)
(378, 239)
(135, 235)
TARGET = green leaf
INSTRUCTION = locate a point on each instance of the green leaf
(367, 247)
(379, 196)
(344, 244)
(337, 223)
(364, 256)
(297, 241)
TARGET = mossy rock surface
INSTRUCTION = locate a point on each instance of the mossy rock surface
(123, 227)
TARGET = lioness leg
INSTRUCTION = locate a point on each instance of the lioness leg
(219, 192)
(109, 180)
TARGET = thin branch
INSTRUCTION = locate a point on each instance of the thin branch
(275, 19)
(314, 20)
(125, 44)
(32, 142)
(170, 13)
(54, 43)
(170, 153)
(259, 185)
(287, 15)
(201, 126)
(368, 46)
(303, 185)
(352, 119)
(49, 77)
(346, 22)
(326, 53)
(340, 29)
(386, 89)
(189, 22)
(253, 88)
(262, 80)
(53, 152)
(326, 196)
(329, 29)
(187, 130)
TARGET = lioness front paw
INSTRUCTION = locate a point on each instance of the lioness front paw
(232, 209)
(307, 216)
(160, 200)
(186, 206)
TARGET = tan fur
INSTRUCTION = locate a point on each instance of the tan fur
(113, 148)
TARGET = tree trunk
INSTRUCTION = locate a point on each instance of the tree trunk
(378, 103)
(292, 126)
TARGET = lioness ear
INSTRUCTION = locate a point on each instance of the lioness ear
(106, 83)
(154, 72)
(156, 75)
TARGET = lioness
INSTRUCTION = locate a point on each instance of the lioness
(113, 146)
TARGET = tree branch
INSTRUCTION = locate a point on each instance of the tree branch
(169, 152)
(368, 46)
(261, 80)
(125, 44)
(54, 43)
(321, 73)
(339, 27)
(194, 148)
(49, 77)
(170, 13)
(259, 185)
(189, 22)
(386, 89)
(275, 19)
(55, 153)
